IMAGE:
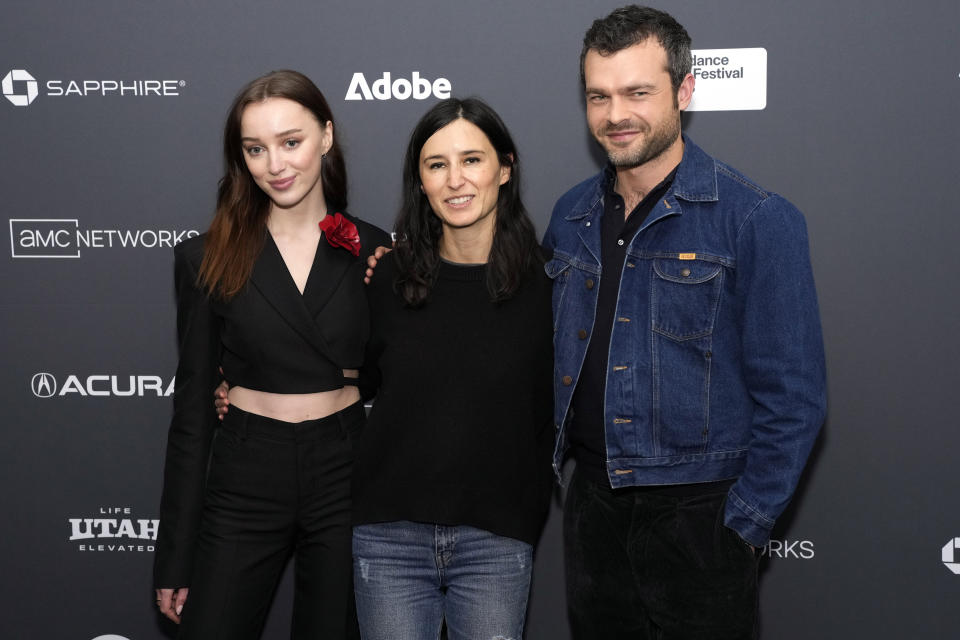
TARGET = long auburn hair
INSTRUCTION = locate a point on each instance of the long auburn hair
(418, 228)
(238, 230)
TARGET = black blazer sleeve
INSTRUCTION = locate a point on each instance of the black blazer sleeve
(371, 237)
(193, 424)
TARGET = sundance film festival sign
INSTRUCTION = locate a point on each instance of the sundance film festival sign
(729, 79)
(21, 88)
(64, 238)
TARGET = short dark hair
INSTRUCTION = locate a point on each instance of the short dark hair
(633, 24)
(418, 229)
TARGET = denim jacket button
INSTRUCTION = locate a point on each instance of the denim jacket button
(582, 334)
(567, 381)
(685, 272)
(589, 284)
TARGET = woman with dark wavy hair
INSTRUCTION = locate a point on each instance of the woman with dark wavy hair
(452, 479)
(273, 294)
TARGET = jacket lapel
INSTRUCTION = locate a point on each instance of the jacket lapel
(272, 279)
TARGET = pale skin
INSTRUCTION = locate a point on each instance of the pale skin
(283, 143)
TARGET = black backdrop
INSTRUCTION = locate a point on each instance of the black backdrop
(110, 130)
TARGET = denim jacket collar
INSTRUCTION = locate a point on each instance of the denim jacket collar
(696, 181)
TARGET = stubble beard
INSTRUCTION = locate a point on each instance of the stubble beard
(657, 141)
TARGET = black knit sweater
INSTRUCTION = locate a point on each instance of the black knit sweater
(461, 430)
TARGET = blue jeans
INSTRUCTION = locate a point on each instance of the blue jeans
(410, 576)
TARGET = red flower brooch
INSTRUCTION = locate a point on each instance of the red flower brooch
(340, 232)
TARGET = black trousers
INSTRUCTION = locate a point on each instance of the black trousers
(276, 489)
(645, 563)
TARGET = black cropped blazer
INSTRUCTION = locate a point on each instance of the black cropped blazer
(268, 337)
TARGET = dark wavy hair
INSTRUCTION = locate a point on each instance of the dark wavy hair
(418, 229)
(236, 235)
(633, 24)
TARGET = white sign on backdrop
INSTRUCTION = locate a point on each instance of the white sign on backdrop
(729, 79)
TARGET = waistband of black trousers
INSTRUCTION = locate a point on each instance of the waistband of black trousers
(246, 424)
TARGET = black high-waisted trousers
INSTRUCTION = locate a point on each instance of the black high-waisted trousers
(276, 489)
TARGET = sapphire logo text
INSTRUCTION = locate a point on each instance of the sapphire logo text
(400, 89)
(44, 385)
(21, 88)
(28, 86)
(948, 555)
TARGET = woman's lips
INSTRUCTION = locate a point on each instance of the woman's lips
(280, 185)
(459, 202)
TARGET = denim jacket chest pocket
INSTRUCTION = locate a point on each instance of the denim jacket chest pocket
(684, 295)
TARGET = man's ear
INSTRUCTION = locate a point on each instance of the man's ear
(685, 92)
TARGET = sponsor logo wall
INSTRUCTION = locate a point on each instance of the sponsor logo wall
(111, 119)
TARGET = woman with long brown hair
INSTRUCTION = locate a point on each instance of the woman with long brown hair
(273, 294)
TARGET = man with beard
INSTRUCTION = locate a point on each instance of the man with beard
(689, 378)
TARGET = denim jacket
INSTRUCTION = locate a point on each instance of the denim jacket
(716, 366)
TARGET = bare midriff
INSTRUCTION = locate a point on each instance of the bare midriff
(295, 407)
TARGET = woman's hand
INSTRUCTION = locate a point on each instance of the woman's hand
(378, 253)
(170, 602)
(221, 399)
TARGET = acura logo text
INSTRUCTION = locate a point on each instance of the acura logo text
(44, 385)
